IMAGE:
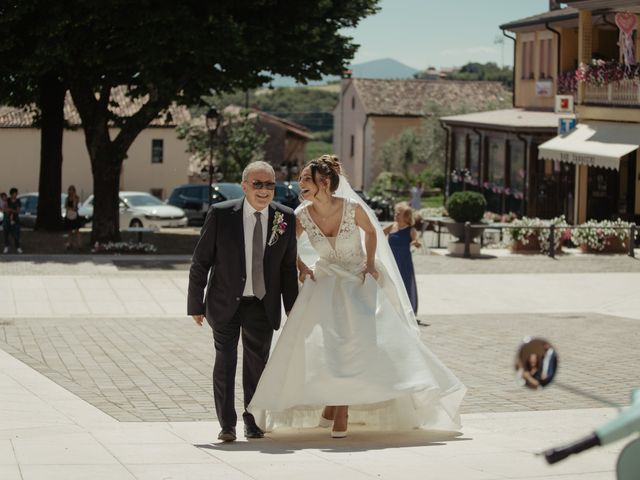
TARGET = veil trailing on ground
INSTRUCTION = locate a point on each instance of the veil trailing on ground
(384, 255)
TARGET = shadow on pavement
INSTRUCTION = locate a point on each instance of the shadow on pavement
(318, 439)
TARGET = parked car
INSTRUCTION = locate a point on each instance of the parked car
(141, 209)
(381, 206)
(193, 199)
(287, 193)
(29, 208)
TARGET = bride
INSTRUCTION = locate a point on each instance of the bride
(350, 351)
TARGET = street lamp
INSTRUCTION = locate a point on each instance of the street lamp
(289, 169)
(212, 121)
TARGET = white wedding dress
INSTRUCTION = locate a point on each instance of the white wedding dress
(349, 342)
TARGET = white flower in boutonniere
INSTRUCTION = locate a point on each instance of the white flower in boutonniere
(278, 228)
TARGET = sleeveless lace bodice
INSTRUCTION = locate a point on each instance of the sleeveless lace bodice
(345, 249)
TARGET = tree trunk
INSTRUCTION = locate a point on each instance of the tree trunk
(106, 189)
(107, 155)
(52, 93)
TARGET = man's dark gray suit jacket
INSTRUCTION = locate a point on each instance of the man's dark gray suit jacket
(219, 262)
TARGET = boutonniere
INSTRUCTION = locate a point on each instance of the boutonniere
(278, 227)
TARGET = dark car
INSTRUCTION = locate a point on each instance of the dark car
(29, 208)
(382, 207)
(194, 199)
(287, 193)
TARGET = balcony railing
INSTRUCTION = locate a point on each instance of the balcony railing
(622, 93)
(605, 83)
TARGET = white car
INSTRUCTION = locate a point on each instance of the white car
(141, 209)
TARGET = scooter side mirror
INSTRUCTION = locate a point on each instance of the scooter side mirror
(536, 363)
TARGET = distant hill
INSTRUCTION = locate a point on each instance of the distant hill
(386, 68)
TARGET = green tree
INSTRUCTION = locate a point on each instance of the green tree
(238, 142)
(163, 52)
(35, 83)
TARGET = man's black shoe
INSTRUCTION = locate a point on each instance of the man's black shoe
(251, 430)
(227, 434)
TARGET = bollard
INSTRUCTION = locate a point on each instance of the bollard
(467, 240)
(632, 240)
(552, 241)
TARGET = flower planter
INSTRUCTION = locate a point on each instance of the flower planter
(613, 245)
(532, 245)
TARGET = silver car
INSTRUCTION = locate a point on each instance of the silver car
(29, 208)
(141, 209)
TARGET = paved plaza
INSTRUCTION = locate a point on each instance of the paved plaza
(103, 376)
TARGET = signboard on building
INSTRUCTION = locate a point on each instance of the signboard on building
(544, 88)
(564, 104)
(566, 125)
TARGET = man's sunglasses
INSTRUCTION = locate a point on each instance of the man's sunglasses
(258, 185)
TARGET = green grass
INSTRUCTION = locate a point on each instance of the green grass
(432, 202)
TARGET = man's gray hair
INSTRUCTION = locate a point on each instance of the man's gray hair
(255, 166)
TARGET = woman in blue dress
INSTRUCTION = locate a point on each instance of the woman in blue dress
(402, 235)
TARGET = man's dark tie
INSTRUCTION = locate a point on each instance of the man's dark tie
(257, 271)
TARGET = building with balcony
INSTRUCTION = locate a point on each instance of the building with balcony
(516, 157)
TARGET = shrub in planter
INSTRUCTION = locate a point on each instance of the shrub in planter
(603, 236)
(466, 206)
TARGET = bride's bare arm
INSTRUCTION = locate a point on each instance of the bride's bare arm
(370, 241)
(303, 269)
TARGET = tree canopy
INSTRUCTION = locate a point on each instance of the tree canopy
(162, 52)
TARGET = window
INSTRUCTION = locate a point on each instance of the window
(545, 58)
(353, 146)
(353, 103)
(157, 150)
(156, 192)
(460, 153)
(474, 159)
(527, 59)
(516, 170)
(496, 162)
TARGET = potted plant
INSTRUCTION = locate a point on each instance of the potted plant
(604, 236)
(464, 207)
(532, 234)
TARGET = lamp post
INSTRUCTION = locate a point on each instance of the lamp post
(212, 120)
(288, 169)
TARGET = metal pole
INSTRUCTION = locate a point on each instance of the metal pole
(467, 240)
(552, 241)
(211, 133)
(632, 240)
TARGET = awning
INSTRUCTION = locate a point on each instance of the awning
(597, 144)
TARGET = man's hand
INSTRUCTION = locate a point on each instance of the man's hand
(304, 273)
(199, 319)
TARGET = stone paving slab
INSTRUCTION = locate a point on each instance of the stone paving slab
(160, 369)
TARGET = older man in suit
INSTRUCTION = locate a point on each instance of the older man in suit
(246, 261)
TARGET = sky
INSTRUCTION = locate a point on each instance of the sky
(440, 33)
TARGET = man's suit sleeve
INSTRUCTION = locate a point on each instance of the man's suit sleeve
(201, 263)
(288, 269)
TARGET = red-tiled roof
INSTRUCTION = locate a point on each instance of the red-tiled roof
(416, 98)
(11, 117)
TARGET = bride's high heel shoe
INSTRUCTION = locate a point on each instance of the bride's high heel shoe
(325, 422)
(343, 433)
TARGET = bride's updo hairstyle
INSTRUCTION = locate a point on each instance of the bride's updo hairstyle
(326, 166)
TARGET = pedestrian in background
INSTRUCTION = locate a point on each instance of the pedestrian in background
(5, 223)
(72, 220)
(416, 196)
(402, 235)
(12, 216)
